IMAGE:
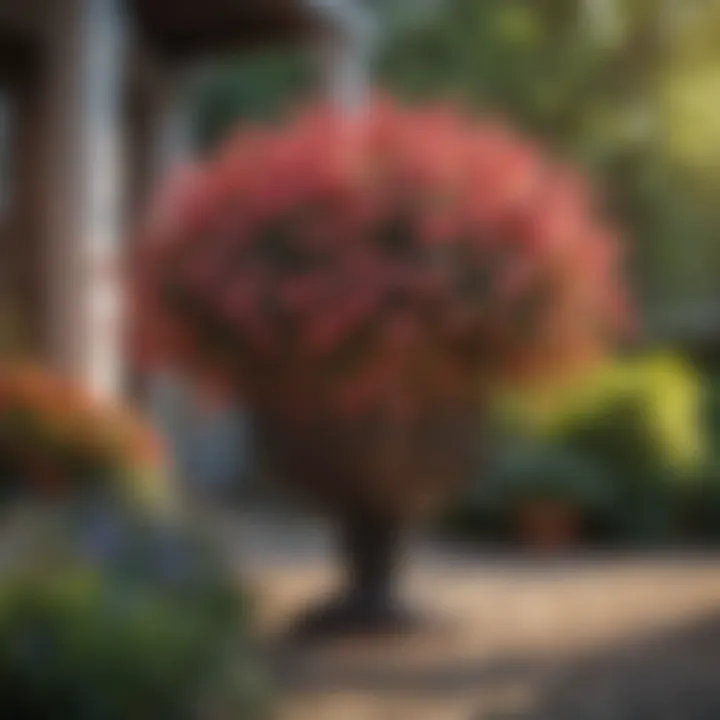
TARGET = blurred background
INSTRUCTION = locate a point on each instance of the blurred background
(584, 561)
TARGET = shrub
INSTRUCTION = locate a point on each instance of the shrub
(385, 265)
(57, 441)
(155, 631)
(549, 473)
(713, 410)
(523, 472)
(364, 285)
(640, 422)
(700, 505)
(667, 391)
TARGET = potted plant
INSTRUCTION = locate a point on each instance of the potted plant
(365, 286)
(551, 494)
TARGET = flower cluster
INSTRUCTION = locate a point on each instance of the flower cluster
(56, 440)
(384, 263)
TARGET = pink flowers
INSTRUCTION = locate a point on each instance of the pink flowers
(384, 263)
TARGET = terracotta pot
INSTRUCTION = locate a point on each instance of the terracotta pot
(549, 525)
(373, 478)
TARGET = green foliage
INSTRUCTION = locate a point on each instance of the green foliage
(712, 413)
(701, 500)
(627, 446)
(624, 86)
(157, 632)
(623, 441)
(658, 397)
(523, 472)
(523, 58)
(260, 87)
(640, 422)
(530, 472)
(700, 503)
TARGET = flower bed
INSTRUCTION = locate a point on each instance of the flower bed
(56, 441)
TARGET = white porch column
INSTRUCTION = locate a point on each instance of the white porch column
(347, 51)
(84, 188)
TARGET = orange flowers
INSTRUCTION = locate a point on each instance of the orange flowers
(375, 259)
(55, 438)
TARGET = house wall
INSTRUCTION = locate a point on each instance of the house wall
(26, 19)
(20, 280)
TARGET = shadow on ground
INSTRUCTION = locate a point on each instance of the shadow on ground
(668, 675)
(672, 675)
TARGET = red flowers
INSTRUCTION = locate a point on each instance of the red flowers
(410, 253)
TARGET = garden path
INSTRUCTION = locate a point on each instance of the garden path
(597, 636)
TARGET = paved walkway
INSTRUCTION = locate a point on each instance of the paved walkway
(597, 637)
